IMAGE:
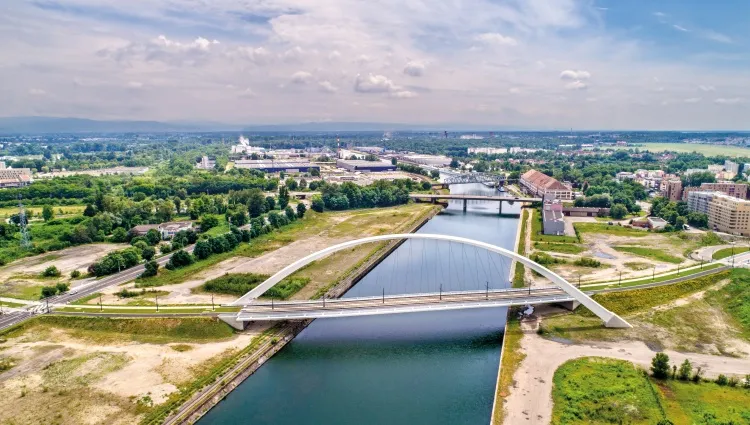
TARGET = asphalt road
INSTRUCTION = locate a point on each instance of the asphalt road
(10, 319)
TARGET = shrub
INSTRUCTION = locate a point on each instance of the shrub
(49, 291)
(51, 271)
(545, 259)
(208, 222)
(151, 268)
(180, 259)
(317, 204)
(686, 369)
(587, 262)
(722, 380)
(62, 287)
(148, 253)
(75, 274)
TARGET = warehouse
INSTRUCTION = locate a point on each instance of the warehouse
(275, 166)
(361, 165)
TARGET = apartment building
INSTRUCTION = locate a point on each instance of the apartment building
(544, 186)
(738, 190)
(699, 201)
(729, 215)
(671, 189)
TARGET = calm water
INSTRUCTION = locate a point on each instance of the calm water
(424, 368)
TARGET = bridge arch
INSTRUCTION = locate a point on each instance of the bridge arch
(609, 318)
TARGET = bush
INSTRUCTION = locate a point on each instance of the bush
(317, 204)
(208, 222)
(587, 262)
(153, 237)
(301, 209)
(119, 235)
(148, 253)
(75, 274)
(180, 259)
(49, 291)
(235, 283)
(545, 259)
(722, 380)
(62, 287)
(51, 271)
(151, 268)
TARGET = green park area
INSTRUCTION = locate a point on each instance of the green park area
(605, 391)
(703, 148)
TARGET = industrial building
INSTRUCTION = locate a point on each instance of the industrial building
(275, 166)
(433, 160)
(544, 186)
(361, 165)
(15, 177)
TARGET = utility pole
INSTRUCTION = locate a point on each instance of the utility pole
(653, 273)
(620, 281)
(100, 303)
(383, 295)
(213, 307)
(487, 291)
(157, 303)
(441, 292)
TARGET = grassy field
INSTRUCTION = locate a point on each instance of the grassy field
(512, 358)
(21, 291)
(727, 252)
(708, 150)
(520, 270)
(106, 330)
(734, 298)
(536, 232)
(603, 391)
(36, 212)
(655, 254)
(583, 228)
(657, 278)
(222, 228)
(562, 248)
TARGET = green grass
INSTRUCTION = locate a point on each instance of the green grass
(222, 228)
(240, 283)
(562, 248)
(628, 302)
(596, 390)
(637, 266)
(727, 252)
(520, 270)
(705, 149)
(86, 299)
(109, 330)
(24, 292)
(655, 254)
(734, 298)
(12, 304)
(583, 228)
(536, 232)
(658, 278)
(120, 310)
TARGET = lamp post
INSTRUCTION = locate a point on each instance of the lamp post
(653, 273)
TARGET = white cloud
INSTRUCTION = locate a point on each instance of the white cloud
(334, 55)
(414, 68)
(496, 39)
(327, 87)
(301, 77)
(135, 84)
(258, 55)
(373, 84)
(706, 88)
(248, 93)
(199, 43)
(37, 92)
(404, 94)
(679, 28)
(294, 54)
(514, 90)
(576, 85)
(570, 74)
(692, 100)
(716, 36)
(729, 101)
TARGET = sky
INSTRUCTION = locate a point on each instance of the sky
(541, 64)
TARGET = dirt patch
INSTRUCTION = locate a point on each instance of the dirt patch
(66, 260)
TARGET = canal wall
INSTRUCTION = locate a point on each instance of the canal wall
(498, 403)
(203, 401)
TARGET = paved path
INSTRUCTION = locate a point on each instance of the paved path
(530, 401)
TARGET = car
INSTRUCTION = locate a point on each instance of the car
(610, 223)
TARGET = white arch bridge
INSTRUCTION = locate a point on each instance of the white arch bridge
(562, 292)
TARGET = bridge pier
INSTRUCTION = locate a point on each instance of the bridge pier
(570, 305)
(231, 320)
(466, 201)
(500, 210)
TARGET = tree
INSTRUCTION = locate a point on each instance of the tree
(151, 268)
(90, 211)
(315, 172)
(119, 235)
(302, 184)
(618, 211)
(180, 259)
(686, 370)
(291, 184)
(48, 213)
(697, 219)
(62, 287)
(48, 291)
(394, 161)
(270, 203)
(283, 197)
(454, 163)
(679, 223)
(153, 237)
(274, 219)
(696, 179)
(256, 203)
(208, 222)
(202, 249)
(148, 253)
(301, 209)
(317, 204)
(660, 366)
(290, 214)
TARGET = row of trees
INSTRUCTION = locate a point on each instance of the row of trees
(677, 213)
(661, 369)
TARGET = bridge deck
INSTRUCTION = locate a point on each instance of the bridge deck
(474, 197)
(365, 306)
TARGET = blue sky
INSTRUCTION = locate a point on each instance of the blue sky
(594, 64)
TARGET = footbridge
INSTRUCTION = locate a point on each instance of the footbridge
(484, 178)
(561, 292)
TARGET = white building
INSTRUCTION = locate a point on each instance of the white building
(488, 151)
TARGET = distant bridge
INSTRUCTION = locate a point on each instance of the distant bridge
(565, 291)
(425, 197)
(484, 178)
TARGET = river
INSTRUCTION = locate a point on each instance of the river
(424, 368)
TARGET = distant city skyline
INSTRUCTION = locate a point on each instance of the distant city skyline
(588, 64)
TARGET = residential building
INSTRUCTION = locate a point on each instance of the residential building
(15, 177)
(699, 201)
(731, 166)
(587, 147)
(738, 190)
(656, 223)
(585, 212)
(166, 230)
(729, 215)
(715, 168)
(544, 186)
(553, 222)
(624, 175)
(672, 189)
(142, 229)
(205, 163)
(275, 166)
(361, 165)
(488, 151)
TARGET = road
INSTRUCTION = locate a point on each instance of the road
(10, 319)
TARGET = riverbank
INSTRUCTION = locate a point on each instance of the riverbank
(202, 402)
